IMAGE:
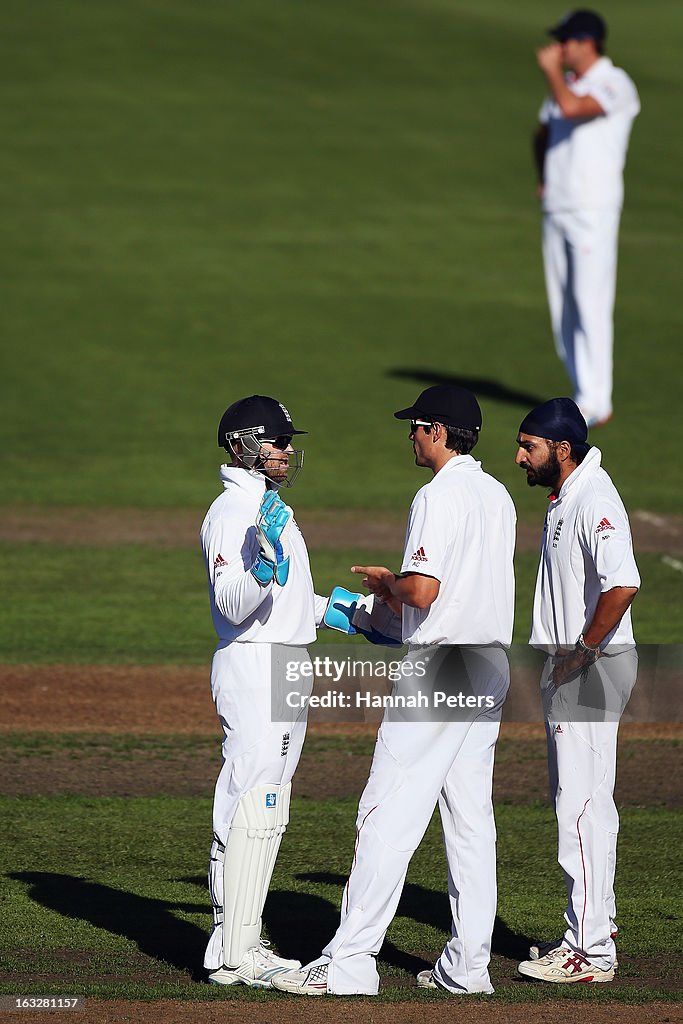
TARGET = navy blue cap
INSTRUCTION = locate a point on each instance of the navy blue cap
(450, 404)
(558, 419)
(581, 24)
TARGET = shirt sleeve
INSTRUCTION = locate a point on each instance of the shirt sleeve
(320, 607)
(426, 537)
(616, 93)
(230, 548)
(546, 110)
(606, 540)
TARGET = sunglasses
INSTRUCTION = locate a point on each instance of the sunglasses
(414, 424)
(281, 442)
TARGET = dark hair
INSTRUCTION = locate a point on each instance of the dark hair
(460, 440)
(577, 450)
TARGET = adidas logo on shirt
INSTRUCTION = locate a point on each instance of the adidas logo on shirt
(419, 556)
(219, 562)
(604, 524)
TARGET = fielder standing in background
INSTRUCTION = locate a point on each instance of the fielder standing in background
(587, 579)
(262, 598)
(580, 149)
(456, 587)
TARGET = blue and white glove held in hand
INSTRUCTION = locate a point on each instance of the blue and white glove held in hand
(272, 527)
(357, 613)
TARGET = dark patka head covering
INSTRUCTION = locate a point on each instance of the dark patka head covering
(558, 419)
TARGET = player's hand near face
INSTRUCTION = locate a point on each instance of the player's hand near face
(550, 57)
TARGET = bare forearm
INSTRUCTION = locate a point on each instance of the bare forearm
(395, 590)
(609, 611)
(415, 590)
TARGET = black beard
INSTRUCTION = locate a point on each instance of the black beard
(547, 475)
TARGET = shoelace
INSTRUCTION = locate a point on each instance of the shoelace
(317, 974)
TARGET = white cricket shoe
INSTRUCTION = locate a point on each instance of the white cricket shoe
(277, 961)
(543, 948)
(259, 966)
(309, 982)
(426, 979)
(564, 966)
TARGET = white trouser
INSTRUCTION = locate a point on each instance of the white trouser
(582, 765)
(414, 764)
(580, 262)
(255, 749)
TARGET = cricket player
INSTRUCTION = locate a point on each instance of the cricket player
(580, 149)
(587, 579)
(264, 609)
(455, 593)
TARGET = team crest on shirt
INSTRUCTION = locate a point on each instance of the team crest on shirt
(419, 556)
(603, 525)
(558, 530)
(271, 799)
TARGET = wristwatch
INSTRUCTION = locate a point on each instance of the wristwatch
(589, 653)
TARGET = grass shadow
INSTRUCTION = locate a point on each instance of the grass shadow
(157, 932)
(481, 386)
(430, 907)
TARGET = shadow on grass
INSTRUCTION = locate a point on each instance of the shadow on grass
(298, 924)
(429, 907)
(149, 923)
(482, 387)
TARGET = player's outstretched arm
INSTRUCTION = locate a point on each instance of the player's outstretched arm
(413, 588)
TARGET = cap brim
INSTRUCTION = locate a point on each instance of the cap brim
(286, 433)
(408, 414)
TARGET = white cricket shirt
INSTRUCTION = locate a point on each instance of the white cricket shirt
(585, 158)
(586, 550)
(461, 531)
(241, 609)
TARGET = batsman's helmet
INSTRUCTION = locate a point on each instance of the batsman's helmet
(251, 421)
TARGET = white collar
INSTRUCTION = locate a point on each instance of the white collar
(252, 482)
(601, 64)
(464, 461)
(590, 465)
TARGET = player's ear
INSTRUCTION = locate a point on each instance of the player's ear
(563, 451)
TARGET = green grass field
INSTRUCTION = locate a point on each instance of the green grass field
(332, 203)
(132, 919)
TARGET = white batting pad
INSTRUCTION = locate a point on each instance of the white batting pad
(254, 839)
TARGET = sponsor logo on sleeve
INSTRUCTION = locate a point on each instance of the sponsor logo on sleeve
(558, 531)
(219, 562)
(419, 555)
(603, 525)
